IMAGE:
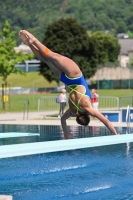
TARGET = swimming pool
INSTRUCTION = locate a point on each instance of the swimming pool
(19, 134)
(101, 173)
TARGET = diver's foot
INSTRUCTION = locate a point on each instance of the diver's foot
(31, 38)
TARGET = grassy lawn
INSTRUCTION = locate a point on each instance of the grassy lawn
(27, 81)
(17, 101)
(116, 92)
(34, 79)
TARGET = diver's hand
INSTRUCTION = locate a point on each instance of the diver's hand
(67, 136)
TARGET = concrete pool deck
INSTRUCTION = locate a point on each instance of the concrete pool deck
(36, 118)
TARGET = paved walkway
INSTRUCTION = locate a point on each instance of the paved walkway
(22, 116)
(37, 118)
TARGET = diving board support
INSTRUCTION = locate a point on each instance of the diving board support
(62, 145)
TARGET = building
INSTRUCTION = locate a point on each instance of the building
(126, 52)
(29, 65)
(24, 48)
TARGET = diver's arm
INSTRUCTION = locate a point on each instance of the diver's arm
(37, 53)
(65, 116)
(101, 117)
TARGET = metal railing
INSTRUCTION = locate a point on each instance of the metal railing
(125, 100)
(47, 103)
(108, 102)
(105, 102)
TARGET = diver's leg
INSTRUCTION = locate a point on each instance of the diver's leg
(65, 64)
(54, 69)
(51, 65)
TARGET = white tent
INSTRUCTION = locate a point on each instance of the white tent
(113, 73)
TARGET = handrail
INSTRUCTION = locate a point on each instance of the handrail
(125, 100)
(26, 108)
(108, 102)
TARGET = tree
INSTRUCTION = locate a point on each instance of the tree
(8, 57)
(131, 63)
(68, 38)
(105, 47)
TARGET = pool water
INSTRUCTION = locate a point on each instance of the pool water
(98, 173)
(95, 173)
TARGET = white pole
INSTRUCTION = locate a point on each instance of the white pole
(33, 96)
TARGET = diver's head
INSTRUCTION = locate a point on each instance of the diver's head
(83, 119)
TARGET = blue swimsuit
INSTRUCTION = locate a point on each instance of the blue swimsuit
(80, 81)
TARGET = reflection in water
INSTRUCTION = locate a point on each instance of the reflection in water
(18, 128)
(49, 133)
(128, 149)
(53, 132)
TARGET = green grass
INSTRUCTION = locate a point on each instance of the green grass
(34, 79)
(116, 92)
(28, 80)
(17, 101)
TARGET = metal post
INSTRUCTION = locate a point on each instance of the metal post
(26, 108)
(33, 99)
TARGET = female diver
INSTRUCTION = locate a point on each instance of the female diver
(70, 74)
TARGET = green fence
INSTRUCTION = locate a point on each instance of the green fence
(112, 84)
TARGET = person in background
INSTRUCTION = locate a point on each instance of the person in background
(94, 100)
(63, 99)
